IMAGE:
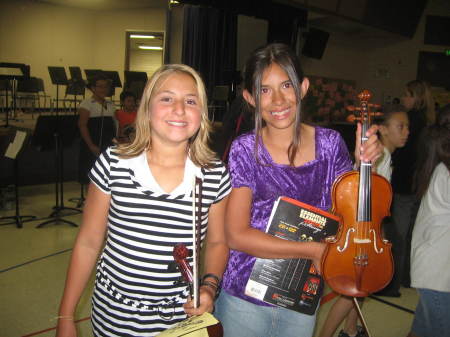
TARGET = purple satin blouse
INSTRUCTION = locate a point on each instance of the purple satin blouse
(310, 183)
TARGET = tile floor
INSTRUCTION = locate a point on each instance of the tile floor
(33, 264)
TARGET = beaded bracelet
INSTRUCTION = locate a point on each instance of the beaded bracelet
(215, 286)
(215, 277)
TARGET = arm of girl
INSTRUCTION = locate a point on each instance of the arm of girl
(84, 131)
(372, 148)
(216, 257)
(87, 246)
(241, 236)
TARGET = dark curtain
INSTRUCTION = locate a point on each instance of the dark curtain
(209, 44)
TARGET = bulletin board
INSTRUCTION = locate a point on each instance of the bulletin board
(327, 99)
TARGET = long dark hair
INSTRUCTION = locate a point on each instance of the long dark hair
(258, 62)
(434, 148)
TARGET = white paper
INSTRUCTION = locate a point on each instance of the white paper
(14, 147)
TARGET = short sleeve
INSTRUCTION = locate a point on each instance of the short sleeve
(224, 185)
(241, 163)
(85, 105)
(342, 162)
(100, 173)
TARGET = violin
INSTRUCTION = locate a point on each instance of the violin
(181, 254)
(358, 260)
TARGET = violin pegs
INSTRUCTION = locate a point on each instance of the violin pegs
(352, 118)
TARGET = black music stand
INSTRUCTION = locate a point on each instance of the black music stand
(135, 82)
(55, 133)
(90, 73)
(14, 150)
(113, 76)
(13, 72)
(58, 77)
(75, 73)
(76, 87)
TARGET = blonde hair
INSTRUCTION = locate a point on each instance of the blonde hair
(421, 92)
(198, 148)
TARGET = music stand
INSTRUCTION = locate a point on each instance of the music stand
(75, 87)
(135, 82)
(75, 73)
(58, 77)
(90, 73)
(12, 152)
(12, 72)
(113, 76)
(47, 136)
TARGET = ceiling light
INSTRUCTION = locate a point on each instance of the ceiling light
(150, 47)
(139, 36)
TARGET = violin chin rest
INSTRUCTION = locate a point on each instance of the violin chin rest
(345, 285)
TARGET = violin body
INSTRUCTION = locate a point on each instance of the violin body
(358, 260)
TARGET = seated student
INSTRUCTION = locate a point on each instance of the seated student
(126, 116)
(393, 131)
(96, 124)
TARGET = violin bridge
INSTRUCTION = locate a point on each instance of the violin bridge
(356, 240)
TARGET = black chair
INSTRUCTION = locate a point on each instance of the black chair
(5, 95)
(27, 95)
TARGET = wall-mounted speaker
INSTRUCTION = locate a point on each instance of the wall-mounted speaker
(434, 68)
(315, 43)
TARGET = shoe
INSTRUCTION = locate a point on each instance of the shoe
(360, 333)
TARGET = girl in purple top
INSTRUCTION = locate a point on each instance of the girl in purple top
(281, 157)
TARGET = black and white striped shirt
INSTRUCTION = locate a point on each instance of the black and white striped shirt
(135, 294)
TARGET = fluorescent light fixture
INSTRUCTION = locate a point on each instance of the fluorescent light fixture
(139, 36)
(150, 47)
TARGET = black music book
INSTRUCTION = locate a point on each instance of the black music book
(292, 283)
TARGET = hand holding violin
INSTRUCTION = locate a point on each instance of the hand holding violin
(372, 148)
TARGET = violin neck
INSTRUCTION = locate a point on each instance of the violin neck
(365, 172)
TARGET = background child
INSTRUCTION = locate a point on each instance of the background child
(141, 199)
(430, 250)
(393, 131)
(126, 116)
(420, 106)
(96, 124)
(282, 157)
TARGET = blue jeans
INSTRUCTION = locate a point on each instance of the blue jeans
(432, 314)
(244, 319)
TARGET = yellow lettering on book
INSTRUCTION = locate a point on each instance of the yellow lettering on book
(315, 218)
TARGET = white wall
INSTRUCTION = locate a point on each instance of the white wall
(43, 35)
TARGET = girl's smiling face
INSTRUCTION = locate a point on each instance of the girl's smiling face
(175, 109)
(278, 102)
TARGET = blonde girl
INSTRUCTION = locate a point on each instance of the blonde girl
(140, 199)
